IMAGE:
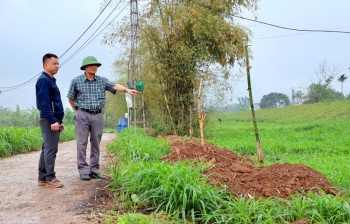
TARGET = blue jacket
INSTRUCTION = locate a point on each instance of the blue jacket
(48, 99)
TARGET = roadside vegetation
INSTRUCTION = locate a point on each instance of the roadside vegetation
(178, 193)
(16, 140)
(20, 131)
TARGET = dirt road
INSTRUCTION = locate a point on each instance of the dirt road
(23, 201)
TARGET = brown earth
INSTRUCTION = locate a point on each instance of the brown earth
(240, 175)
(23, 201)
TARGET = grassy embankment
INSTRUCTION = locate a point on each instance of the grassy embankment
(314, 135)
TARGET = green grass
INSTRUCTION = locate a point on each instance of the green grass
(110, 130)
(328, 111)
(112, 217)
(68, 134)
(16, 140)
(132, 146)
(322, 145)
(180, 190)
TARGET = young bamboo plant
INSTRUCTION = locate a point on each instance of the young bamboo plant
(259, 148)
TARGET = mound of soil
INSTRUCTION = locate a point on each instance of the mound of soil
(244, 179)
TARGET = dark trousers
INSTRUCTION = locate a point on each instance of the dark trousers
(48, 151)
(86, 123)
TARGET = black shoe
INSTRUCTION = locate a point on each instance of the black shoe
(84, 177)
(97, 175)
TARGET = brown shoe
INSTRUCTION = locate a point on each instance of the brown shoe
(41, 182)
(54, 183)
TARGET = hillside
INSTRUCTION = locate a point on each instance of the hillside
(328, 111)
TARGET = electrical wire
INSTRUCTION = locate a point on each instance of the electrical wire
(82, 46)
(9, 88)
(86, 29)
(19, 85)
(295, 34)
(32, 80)
(103, 28)
(276, 26)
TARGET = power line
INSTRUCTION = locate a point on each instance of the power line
(82, 46)
(102, 29)
(294, 29)
(19, 85)
(86, 29)
(295, 34)
(10, 88)
(273, 25)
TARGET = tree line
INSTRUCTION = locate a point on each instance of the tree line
(319, 90)
(30, 117)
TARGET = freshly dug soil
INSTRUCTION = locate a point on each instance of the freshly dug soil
(240, 175)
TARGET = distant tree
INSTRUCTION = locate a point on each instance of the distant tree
(274, 100)
(347, 97)
(326, 73)
(299, 96)
(69, 116)
(5, 116)
(32, 116)
(17, 117)
(321, 90)
(244, 103)
(342, 79)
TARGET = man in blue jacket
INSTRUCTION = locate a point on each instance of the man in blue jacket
(48, 101)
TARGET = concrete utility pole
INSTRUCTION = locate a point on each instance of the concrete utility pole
(260, 153)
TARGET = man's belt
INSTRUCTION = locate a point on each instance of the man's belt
(91, 111)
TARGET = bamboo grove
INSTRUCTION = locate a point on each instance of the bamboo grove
(181, 42)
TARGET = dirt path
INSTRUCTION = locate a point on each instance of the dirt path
(23, 201)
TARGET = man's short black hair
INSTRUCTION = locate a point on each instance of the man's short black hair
(48, 56)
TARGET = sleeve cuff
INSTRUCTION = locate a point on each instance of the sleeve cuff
(52, 120)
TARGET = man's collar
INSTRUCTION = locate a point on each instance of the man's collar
(86, 78)
(49, 75)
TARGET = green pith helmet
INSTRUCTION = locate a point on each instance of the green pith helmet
(89, 60)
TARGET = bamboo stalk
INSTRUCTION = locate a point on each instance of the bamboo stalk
(259, 148)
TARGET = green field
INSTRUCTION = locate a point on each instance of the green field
(178, 193)
(316, 135)
(324, 146)
(15, 140)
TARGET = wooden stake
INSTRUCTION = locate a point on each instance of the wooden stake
(191, 127)
(201, 115)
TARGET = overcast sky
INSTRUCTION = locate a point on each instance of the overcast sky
(282, 59)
